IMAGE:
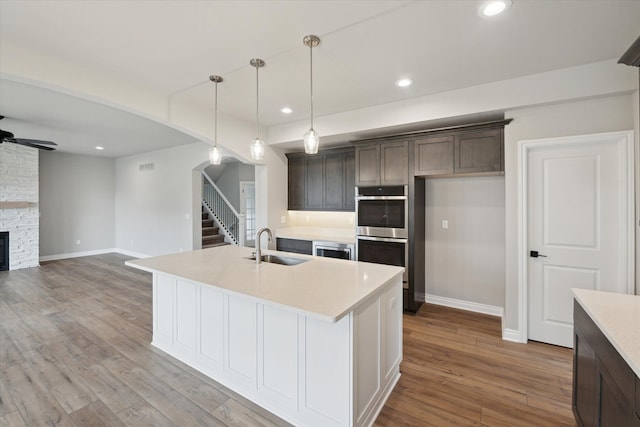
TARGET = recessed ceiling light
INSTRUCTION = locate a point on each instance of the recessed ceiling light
(286, 110)
(99, 148)
(494, 7)
(404, 82)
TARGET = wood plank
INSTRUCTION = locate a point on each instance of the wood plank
(65, 386)
(96, 415)
(36, 405)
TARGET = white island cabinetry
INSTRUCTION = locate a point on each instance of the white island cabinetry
(334, 366)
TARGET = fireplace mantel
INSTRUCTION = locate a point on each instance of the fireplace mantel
(17, 205)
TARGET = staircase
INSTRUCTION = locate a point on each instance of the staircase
(210, 233)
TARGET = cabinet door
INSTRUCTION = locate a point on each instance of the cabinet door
(296, 183)
(615, 407)
(434, 156)
(585, 378)
(368, 165)
(637, 404)
(314, 183)
(479, 152)
(349, 191)
(333, 181)
(394, 159)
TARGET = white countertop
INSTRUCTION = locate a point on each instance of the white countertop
(323, 288)
(618, 317)
(338, 235)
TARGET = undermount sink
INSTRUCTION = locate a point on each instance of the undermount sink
(277, 259)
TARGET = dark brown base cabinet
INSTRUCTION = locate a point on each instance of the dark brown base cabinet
(605, 389)
(295, 246)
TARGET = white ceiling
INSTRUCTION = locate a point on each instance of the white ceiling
(171, 47)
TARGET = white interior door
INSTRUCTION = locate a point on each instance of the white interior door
(578, 212)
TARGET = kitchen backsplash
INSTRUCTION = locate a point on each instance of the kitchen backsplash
(344, 220)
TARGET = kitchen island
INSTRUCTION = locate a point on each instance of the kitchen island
(318, 343)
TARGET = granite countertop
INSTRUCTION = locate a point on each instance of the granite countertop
(338, 235)
(618, 317)
(323, 288)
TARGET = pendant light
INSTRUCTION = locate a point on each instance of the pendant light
(257, 146)
(215, 157)
(311, 137)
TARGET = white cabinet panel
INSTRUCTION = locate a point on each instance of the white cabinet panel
(367, 357)
(392, 326)
(279, 354)
(186, 325)
(327, 369)
(242, 339)
(211, 350)
(164, 289)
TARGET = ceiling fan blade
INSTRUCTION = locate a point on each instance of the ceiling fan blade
(26, 143)
(33, 141)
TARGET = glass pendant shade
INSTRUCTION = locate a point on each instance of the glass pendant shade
(215, 157)
(257, 149)
(311, 141)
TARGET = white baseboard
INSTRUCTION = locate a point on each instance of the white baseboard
(90, 253)
(511, 335)
(465, 305)
(131, 253)
(76, 254)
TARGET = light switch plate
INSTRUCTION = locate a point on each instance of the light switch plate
(445, 224)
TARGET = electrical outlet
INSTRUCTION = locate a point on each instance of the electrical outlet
(77, 242)
(351, 220)
(283, 219)
(445, 224)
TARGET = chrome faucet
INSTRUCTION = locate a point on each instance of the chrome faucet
(258, 235)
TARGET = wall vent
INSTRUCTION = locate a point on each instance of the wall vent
(146, 167)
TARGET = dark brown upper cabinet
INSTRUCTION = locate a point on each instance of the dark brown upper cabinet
(434, 155)
(481, 151)
(297, 182)
(382, 163)
(465, 151)
(323, 181)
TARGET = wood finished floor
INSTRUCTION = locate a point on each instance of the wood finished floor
(74, 351)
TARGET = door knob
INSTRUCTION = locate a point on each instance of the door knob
(535, 254)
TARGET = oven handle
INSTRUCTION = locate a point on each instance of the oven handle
(382, 239)
(381, 197)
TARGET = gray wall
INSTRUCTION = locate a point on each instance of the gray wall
(466, 261)
(228, 176)
(76, 203)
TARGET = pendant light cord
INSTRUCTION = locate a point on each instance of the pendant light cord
(257, 104)
(311, 84)
(215, 119)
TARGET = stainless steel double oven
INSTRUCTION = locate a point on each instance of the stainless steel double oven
(382, 224)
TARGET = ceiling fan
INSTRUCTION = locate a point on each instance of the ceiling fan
(35, 143)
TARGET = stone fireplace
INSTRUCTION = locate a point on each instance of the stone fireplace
(19, 211)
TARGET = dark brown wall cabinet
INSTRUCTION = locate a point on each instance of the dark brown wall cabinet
(323, 181)
(382, 163)
(460, 152)
(294, 245)
(605, 389)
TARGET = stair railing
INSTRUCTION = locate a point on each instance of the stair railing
(229, 220)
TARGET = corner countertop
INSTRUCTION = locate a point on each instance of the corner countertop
(618, 317)
(338, 235)
(323, 288)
